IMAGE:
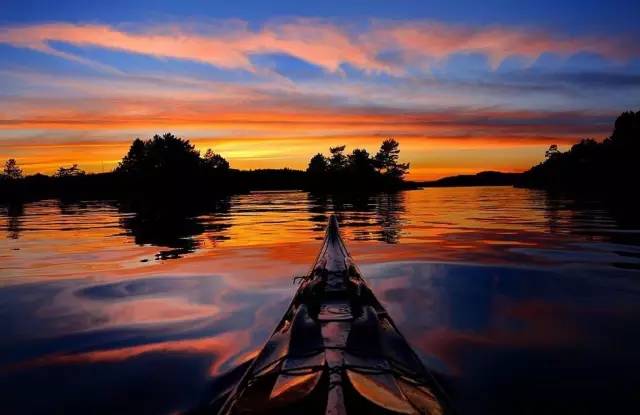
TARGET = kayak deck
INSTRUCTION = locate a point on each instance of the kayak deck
(336, 351)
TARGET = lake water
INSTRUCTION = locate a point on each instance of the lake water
(519, 301)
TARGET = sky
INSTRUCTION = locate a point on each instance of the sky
(464, 86)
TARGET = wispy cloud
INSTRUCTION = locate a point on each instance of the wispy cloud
(421, 42)
(319, 42)
(411, 81)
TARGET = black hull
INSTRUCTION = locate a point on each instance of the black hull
(336, 351)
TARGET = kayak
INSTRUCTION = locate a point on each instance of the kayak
(336, 351)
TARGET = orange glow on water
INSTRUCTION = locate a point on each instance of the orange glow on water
(221, 348)
(464, 273)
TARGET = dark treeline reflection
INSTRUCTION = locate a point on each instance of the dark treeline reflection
(180, 227)
(173, 224)
(358, 212)
(14, 212)
(75, 207)
(592, 217)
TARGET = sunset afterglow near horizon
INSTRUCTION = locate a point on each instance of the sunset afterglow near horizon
(462, 89)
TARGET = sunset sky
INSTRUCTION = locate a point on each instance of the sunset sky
(464, 87)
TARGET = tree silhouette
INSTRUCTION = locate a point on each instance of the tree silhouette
(169, 157)
(358, 170)
(168, 166)
(552, 151)
(386, 160)
(134, 161)
(626, 131)
(162, 155)
(72, 171)
(589, 165)
(318, 165)
(11, 170)
(214, 161)
(361, 165)
(337, 160)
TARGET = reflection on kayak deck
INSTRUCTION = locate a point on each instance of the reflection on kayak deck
(336, 351)
(519, 301)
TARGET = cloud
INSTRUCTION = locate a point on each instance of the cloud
(319, 42)
(582, 79)
(425, 41)
(275, 116)
(405, 79)
(316, 42)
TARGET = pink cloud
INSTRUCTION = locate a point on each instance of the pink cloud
(318, 42)
(420, 41)
(321, 44)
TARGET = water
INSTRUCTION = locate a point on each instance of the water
(519, 301)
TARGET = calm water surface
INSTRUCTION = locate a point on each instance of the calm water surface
(521, 302)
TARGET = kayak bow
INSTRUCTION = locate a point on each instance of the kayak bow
(336, 351)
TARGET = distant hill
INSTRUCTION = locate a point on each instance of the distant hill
(485, 178)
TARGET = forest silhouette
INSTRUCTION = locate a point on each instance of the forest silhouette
(168, 166)
(611, 165)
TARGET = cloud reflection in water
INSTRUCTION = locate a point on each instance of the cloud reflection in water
(512, 295)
